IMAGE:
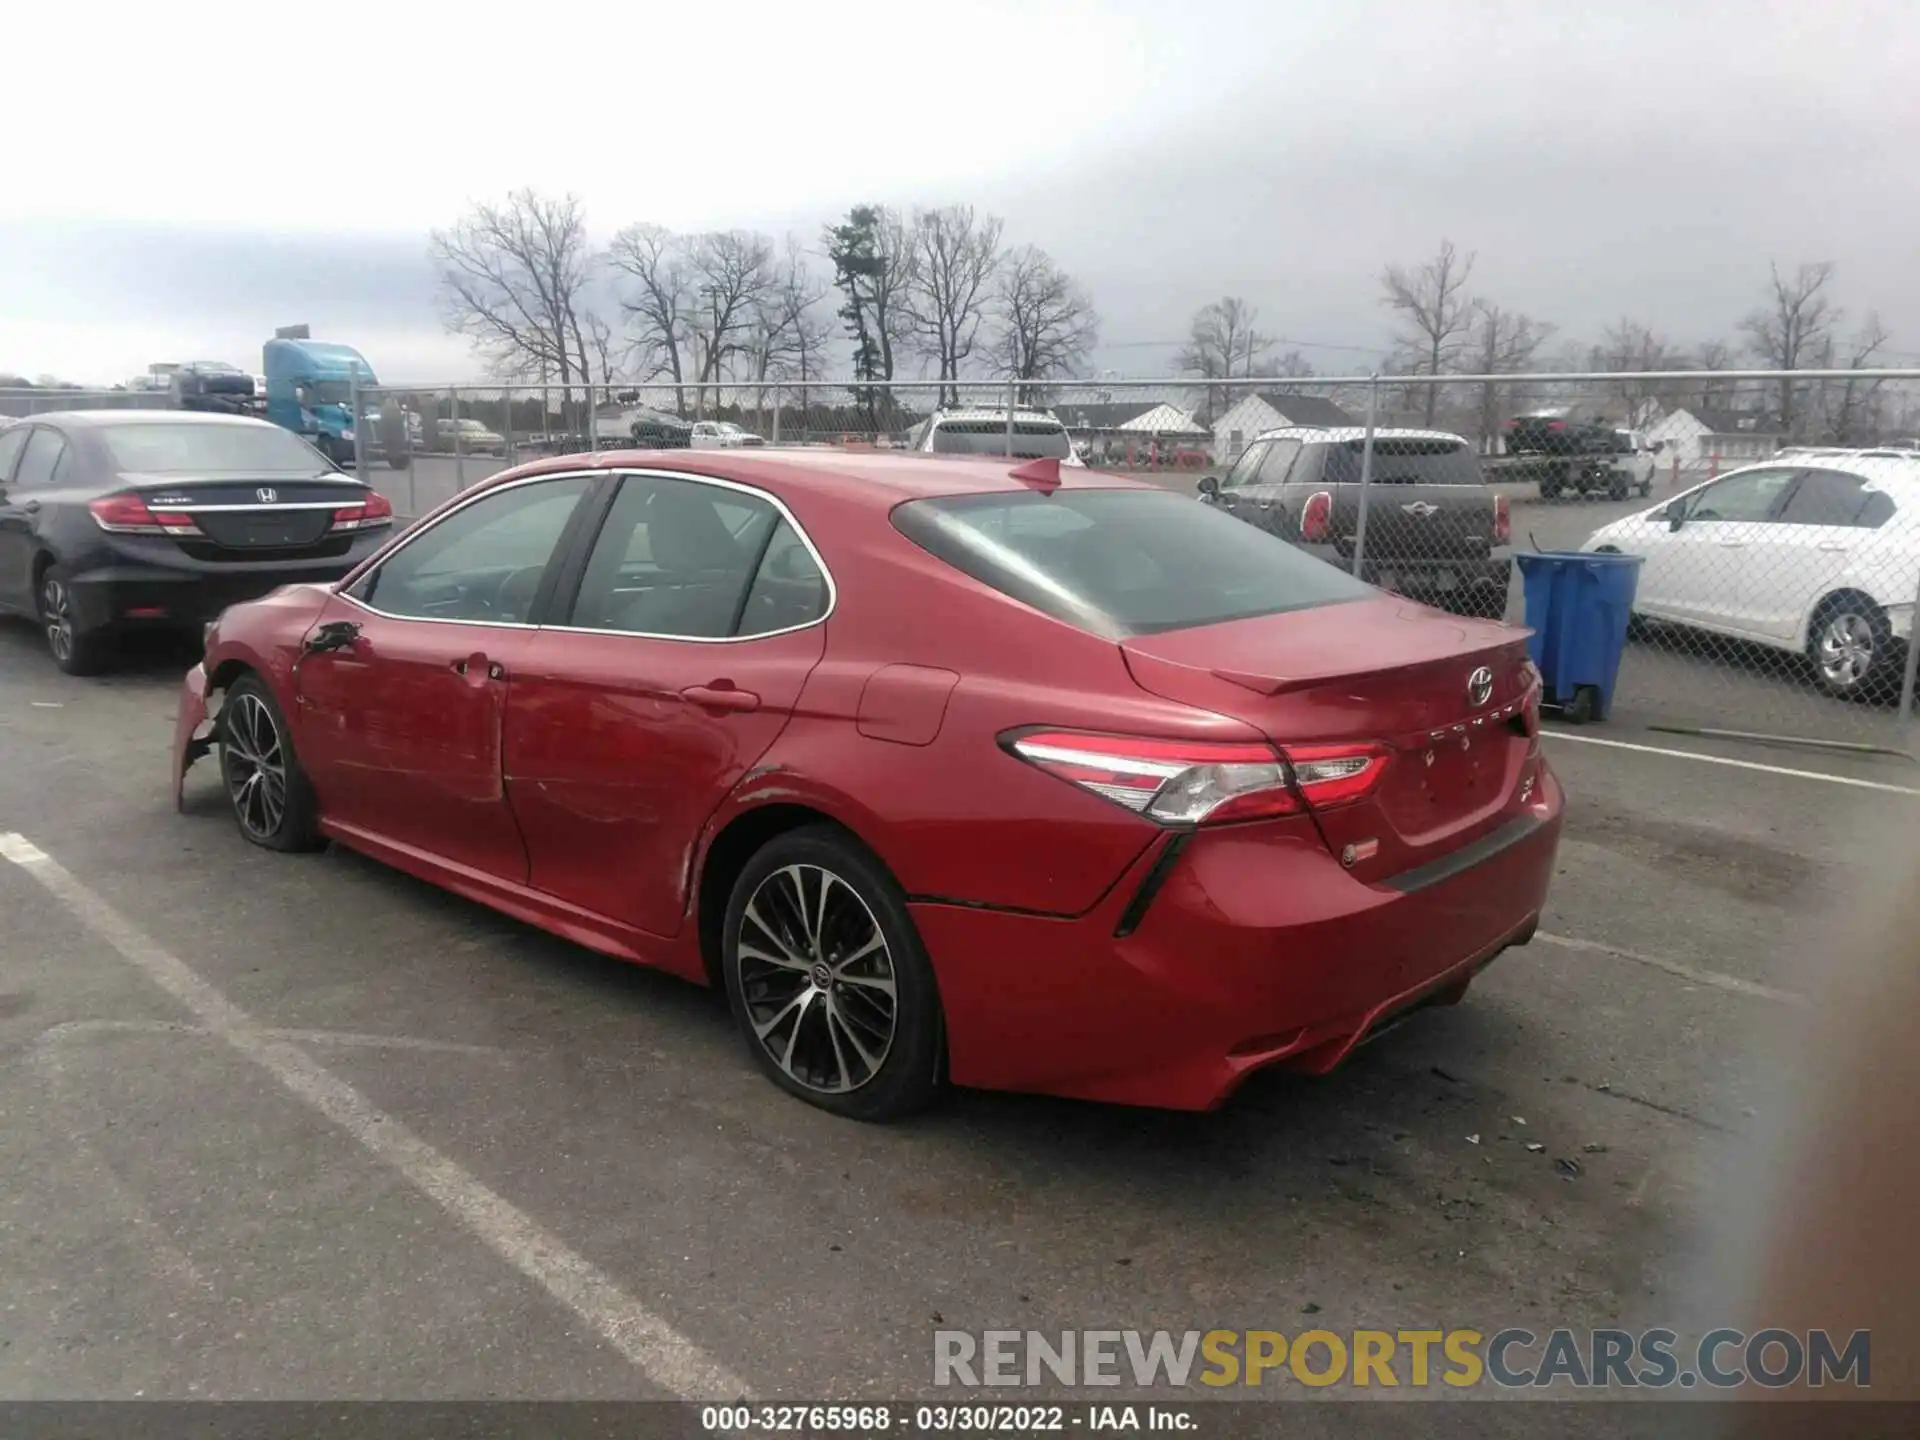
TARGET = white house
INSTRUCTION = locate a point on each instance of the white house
(1705, 438)
(1267, 410)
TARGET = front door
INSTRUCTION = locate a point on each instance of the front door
(694, 629)
(1711, 559)
(16, 525)
(401, 726)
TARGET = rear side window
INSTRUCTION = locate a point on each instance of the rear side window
(12, 441)
(1403, 462)
(1031, 441)
(1828, 497)
(1120, 563)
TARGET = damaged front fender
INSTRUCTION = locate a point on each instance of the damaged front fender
(188, 744)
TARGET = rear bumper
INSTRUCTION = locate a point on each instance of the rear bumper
(1258, 949)
(133, 595)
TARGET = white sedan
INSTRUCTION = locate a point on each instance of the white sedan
(722, 435)
(1814, 551)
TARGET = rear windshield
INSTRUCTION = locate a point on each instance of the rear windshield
(1403, 462)
(989, 437)
(161, 448)
(1123, 562)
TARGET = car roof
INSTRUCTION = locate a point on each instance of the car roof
(1339, 434)
(102, 419)
(1880, 467)
(883, 477)
(991, 412)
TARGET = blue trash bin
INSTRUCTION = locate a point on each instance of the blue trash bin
(1578, 606)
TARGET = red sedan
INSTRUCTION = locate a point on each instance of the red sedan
(1023, 778)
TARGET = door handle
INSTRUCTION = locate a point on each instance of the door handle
(1835, 549)
(1731, 544)
(478, 665)
(722, 695)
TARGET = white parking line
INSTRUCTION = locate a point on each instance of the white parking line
(1737, 764)
(655, 1348)
(1733, 984)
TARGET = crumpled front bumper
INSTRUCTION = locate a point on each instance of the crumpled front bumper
(189, 718)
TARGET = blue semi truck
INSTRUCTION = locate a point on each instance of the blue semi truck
(310, 386)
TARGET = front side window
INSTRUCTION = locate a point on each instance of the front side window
(679, 559)
(1246, 467)
(1748, 498)
(1279, 462)
(483, 563)
(1120, 563)
(12, 441)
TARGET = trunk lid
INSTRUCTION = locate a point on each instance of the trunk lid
(253, 517)
(1412, 525)
(1385, 670)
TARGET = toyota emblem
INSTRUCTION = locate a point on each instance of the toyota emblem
(267, 494)
(1480, 687)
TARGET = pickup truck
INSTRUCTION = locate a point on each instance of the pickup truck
(1555, 432)
(1435, 532)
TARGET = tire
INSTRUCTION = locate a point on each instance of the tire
(74, 650)
(1584, 706)
(272, 799)
(1549, 489)
(1618, 489)
(834, 1044)
(1851, 646)
(1646, 488)
(399, 462)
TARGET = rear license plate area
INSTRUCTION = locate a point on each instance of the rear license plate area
(1428, 581)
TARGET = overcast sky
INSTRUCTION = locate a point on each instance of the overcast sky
(207, 182)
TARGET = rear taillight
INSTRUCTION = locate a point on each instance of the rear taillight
(376, 511)
(1556, 425)
(127, 514)
(1183, 782)
(1502, 522)
(1316, 518)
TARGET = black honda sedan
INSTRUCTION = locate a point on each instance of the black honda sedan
(119, 520)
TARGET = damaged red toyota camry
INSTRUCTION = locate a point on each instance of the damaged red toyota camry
(947, 771)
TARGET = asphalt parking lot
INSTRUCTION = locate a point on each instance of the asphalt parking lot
(302, 1127)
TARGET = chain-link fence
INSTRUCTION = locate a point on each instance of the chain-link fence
(1777, 515)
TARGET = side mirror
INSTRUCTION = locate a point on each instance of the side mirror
(1657, 447)
(335, 635)
(1209, 487)
(1676, 513)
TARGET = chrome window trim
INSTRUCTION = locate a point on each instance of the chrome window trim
(590, 474)
(753, 492)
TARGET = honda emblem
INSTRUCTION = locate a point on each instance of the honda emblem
(267, 494)
(1480, 687)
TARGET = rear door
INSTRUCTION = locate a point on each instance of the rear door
(1808, 551)
(16, 523)
(695, 624)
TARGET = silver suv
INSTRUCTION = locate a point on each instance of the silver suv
(982, 430)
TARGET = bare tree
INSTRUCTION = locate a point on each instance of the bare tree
(956, 256)
(1502, 343)
(514, 278)
(657, 303)
(1628, 346)
(1796, 319)
(1710, 392)
(1044, 324)
(1851, 412)
(1224, 342)
(787, 338)
(732, 272)
(1437, 313)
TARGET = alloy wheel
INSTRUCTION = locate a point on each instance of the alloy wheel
(253, 763)
(56, 612)
(1844, 651)
(818, 979)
